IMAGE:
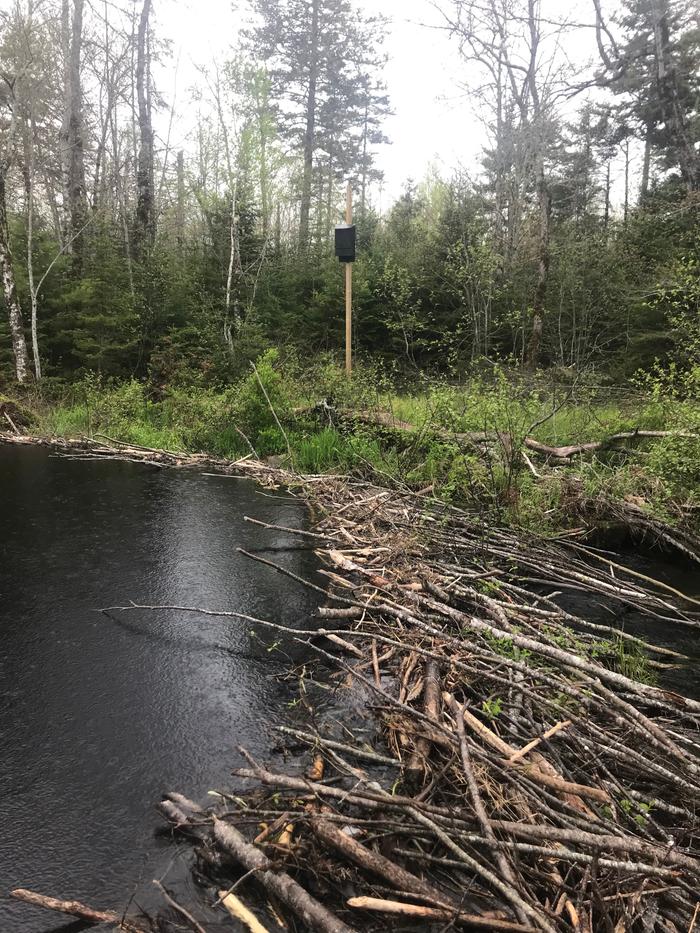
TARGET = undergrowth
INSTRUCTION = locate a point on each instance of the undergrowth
(661, 475)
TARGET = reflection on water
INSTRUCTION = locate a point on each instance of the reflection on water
(99, 715)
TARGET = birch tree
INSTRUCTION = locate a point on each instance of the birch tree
(9, 284)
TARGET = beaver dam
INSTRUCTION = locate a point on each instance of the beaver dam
(527, 768)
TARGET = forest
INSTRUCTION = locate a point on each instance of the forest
(124, 258)
(560, 274)
(404, 645)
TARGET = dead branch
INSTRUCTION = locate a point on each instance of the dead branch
(77, 909)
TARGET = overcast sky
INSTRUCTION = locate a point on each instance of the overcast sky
(433, 122)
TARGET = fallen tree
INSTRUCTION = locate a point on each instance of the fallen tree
(560, 454)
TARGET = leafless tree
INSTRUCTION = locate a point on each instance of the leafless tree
(145, 203)
(72, 130)
(523, 80)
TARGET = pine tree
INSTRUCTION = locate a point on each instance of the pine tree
(322, 58)
(653, 67)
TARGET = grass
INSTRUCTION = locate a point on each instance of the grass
(227, 422)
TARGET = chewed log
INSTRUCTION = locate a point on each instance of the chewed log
(416, 766)
(418, 912)
(238, 910)
(377, 864)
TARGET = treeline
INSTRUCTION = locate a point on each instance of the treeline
(125, 255)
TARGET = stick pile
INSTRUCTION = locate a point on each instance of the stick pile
(524, 782)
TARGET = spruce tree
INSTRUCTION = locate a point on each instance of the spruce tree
(322, 58)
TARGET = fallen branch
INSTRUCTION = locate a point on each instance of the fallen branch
(307, 908)
(416, 911)
(196, 926)
(238, 910)
(416, 765)
(377, 864)
(77, 909)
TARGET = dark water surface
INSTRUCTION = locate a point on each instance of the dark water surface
(674, 571)
(98, 715)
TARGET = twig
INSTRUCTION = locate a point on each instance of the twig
(179, 908)
(274, 413)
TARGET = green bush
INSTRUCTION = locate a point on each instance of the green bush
(660, 473)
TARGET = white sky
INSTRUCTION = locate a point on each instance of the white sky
(433, 122)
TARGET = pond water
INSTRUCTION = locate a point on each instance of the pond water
(99, 715)
(683, 676)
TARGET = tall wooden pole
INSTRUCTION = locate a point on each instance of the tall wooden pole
(348, 290)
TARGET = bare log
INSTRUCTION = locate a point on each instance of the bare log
(77, 909)
(307, 908)
(238, 910)
(569, 450)
(417, 911)
(540, 771)
(377, 864)
(416, 765)
(656, 853)
(564, 452)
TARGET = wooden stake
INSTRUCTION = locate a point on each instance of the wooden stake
(348, 290)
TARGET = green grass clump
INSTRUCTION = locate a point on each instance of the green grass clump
(227, 422)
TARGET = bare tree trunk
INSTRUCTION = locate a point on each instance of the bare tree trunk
(180, 220)
(500, 159)
(646, 165)
(261, 103)
(101, 154)
(65, 123)
(606, 216)
(19, 343)
(51, 198)
(363, 180)
(121, 201)
(329, 219)
(29, 136)
(540, 298)
(72, 130)
(278, 230)
(310, 131)
(627, 180)
(233, 278)
(145, 211)
(234, 273)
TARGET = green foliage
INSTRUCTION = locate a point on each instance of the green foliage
(492, 708)
(231, 420)
(626, 657)
(331, 451)
(637, 810)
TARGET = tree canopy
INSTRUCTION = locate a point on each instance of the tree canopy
(127, 258)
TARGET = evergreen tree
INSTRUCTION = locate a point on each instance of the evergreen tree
(322, 59)
(654, 68)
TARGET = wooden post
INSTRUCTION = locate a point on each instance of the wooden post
(348, 290)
